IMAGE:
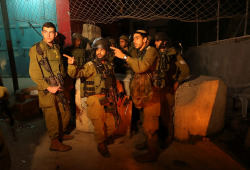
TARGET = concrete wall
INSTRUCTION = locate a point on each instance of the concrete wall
(227, 59)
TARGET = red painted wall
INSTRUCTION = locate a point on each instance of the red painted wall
(63, 19)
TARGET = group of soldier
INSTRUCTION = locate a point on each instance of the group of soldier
(156, 74)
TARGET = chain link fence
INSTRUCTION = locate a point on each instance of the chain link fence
(108, 11)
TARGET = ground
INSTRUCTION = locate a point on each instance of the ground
(30, 150)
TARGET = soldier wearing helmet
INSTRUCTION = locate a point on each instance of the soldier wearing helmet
(143, 93)
(119, 64)
(124, 43)
(76, 49)
(171, 71)
(99, 77)
(112, 41)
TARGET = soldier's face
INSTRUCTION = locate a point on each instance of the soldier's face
(49, 34)
(123, 43)
(77, 42)
(100, 53)
(158, 43)
(139, 41)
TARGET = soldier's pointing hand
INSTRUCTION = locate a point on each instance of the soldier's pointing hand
(71, 60)
(118, 52)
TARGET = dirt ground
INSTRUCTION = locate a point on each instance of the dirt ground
(30, 151)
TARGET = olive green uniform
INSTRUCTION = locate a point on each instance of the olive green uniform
(144, 95)
(178, 71)
(104, 123)
(48, 102)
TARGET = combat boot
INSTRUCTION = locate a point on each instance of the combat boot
(103, 149)
(67, 137)
(153, 151)
(110, 140)
(56, 145)
(141, 146)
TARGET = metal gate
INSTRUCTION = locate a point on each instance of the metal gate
(23, 35)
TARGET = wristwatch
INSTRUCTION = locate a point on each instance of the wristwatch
(125, 57)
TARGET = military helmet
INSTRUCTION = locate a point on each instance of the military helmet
(124, 37)
(160, 36)
(111, 40)
(101, 43)
(77, 36)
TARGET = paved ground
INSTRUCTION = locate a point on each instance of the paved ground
(30, 151)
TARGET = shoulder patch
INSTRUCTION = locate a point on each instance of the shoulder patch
(182, 62)
(89, 63)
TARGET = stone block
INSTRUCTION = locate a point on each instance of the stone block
(199, 107)
(83, 123)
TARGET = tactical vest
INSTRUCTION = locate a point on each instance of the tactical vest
(103, 80)
(53, 55)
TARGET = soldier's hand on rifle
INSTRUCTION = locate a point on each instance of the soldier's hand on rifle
(71, 60)
(118, 52)
(54, 89)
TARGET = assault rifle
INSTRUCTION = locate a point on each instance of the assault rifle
(166, 69)
(54, 80)
(111, 99)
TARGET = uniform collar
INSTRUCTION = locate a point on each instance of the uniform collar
(47, 46)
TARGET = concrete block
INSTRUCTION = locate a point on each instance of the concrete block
(199, 107)
(83, 123)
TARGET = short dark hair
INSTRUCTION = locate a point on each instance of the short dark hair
(49, 25)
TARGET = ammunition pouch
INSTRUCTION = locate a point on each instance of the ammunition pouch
(79, 55)
(104, 101)
(89, 89)
(110, 109)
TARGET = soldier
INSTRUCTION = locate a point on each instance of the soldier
(76, 50)
(111, 54)
(143, 94)
(112, 41)
(124, 43)
(79, 53)
(171, 71)
(100, 78)
(51, 100)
